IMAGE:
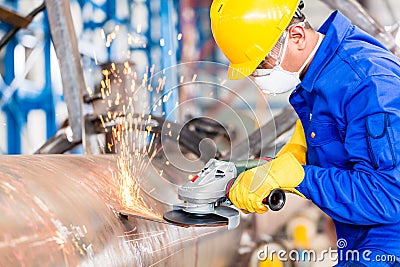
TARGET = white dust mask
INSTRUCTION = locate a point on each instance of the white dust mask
(277, 80)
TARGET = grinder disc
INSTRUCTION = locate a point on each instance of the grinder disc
(186, 219)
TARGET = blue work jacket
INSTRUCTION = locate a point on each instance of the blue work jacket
(349, 105)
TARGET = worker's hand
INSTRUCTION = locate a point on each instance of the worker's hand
(297, 144)
(252, 186)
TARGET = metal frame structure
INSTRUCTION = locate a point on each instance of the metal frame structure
(15, 105)
(16, 118)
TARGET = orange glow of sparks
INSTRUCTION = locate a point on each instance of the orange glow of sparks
(131, 162)
(132, 134)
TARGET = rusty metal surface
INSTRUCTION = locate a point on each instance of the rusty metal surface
(13, 18)
(59, 210)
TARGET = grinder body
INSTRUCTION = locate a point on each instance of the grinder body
(206, 195)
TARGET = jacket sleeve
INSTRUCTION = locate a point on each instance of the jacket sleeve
(369, 193)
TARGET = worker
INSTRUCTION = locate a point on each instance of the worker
(345, 88)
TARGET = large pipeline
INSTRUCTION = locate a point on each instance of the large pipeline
(59, 210)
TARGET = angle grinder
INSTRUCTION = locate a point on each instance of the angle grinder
(205, 196)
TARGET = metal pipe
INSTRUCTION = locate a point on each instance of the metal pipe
(26, 21)
(58, 210)
(66, 47)
(360, 17)
(59, 143)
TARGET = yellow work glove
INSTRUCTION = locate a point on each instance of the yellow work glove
(252, 186)
(297, 144)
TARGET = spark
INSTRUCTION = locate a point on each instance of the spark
(157, 262)
(132, 131)
(42, 242)
(134, 229)
(150, 233)
(95, 58)
(145, 237)
(131, 166)
(102, 123)
(179, 36)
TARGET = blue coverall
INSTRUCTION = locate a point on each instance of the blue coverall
(349, 105)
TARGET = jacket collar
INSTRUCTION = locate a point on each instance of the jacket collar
(334, 29)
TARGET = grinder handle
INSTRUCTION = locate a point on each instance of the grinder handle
(275, 200)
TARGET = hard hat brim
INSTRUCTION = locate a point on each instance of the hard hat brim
(240, 71)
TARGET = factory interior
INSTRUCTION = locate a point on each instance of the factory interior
(108, 107)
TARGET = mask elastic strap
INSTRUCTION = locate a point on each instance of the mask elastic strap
(285, 44)
(312, 53)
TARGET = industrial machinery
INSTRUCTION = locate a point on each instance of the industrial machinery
(206, 200)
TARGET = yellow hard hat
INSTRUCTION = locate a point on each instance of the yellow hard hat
(246, 30)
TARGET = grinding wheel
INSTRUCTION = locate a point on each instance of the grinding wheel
(186, 219)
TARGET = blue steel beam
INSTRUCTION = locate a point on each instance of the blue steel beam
(13, 114)
(48, 90)
(169, 59)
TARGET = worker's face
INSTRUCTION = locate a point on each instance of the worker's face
(284, 52)
(276, 55)
(280, 71)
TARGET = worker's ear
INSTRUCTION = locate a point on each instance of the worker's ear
(297, 35)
